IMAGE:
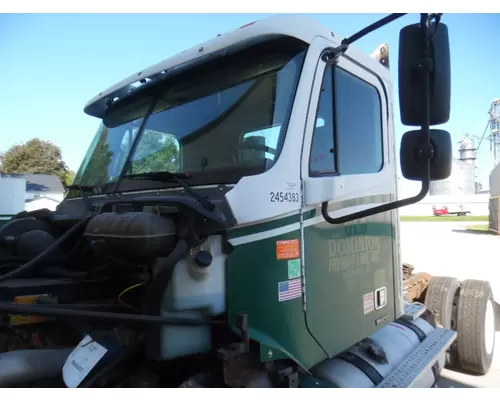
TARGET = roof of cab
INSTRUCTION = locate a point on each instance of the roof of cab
(301, 27)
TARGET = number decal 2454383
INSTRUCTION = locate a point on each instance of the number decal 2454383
(284, 197)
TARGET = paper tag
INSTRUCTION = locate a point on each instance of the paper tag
(81, 361)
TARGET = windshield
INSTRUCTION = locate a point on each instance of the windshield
(217, 124)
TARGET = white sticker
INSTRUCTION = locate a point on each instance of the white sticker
(368, 303)
(80, 362)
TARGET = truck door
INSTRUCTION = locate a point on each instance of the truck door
(352, 273)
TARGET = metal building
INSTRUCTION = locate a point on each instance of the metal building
(494, 123)
(494, 206)
(463, 173)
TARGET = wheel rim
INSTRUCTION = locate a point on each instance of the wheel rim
(489, 327)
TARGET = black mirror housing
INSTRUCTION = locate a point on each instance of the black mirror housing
(412, 166)
(411, 46)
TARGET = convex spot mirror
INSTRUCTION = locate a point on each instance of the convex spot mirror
(413, 166)
(411, 49)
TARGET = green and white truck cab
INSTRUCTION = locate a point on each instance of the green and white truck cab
(258, 172)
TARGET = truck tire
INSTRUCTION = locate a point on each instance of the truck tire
(476, 326)
(441, 297)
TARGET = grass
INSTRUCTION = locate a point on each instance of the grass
(451, 218)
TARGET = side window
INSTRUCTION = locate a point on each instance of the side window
(350, 141)
(359, 125)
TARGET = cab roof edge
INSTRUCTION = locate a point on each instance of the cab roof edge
(299, 26)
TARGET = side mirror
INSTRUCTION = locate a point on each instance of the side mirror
(411, 48)
(412, 167)
(424, 100)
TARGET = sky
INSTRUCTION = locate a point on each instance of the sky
(52, 64)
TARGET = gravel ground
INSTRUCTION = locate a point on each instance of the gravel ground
(446, 249)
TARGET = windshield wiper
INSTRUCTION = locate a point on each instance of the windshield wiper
(82, 187)
(167, 176)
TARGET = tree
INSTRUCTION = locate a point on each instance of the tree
(95, 172)
(70, 176)
(35, 157)
(156, 152)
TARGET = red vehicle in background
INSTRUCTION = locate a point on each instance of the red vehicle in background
(443, 211)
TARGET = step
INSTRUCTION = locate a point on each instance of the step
(413, 311)
(420, 361)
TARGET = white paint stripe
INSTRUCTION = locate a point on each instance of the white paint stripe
(289, 228)
(265, 235)
(265, 221)
(340, 213)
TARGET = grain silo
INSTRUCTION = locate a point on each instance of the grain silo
(463, 173)
(494, 203)
(494, 124)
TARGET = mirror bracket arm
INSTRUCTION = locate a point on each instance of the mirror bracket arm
(374, 210)
(333, 54)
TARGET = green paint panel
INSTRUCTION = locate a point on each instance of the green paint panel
(343, 263)
(253, 275)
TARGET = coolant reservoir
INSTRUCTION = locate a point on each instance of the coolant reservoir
(197, 289)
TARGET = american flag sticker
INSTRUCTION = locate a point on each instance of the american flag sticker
(289, 290)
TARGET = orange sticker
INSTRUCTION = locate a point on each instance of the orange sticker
(287, 249)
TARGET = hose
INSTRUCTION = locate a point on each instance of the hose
(64, 257)
(57, 272)
(35, 262)
(21, 367)
(41, 214)
(87, 307)
(10, 266)
(156, 290)
(165, 268)
(79, 314)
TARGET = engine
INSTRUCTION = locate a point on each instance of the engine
(109, 273)
(136, 234)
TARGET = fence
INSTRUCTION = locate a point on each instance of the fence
(494, 216)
